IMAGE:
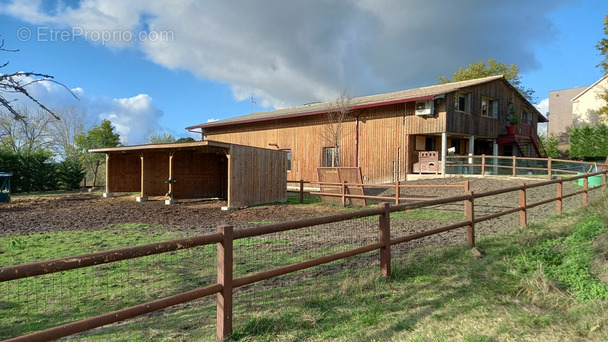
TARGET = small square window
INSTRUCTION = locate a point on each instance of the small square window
(331, 157)
(489, 107)
(462, 102)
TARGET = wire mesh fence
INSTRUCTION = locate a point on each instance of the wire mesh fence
(36, 303)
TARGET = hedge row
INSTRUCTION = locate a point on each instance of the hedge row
(36, 171)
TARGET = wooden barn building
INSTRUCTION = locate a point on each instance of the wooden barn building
(384, 134)
(243, 175)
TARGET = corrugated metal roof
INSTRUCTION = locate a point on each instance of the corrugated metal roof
(357, 102)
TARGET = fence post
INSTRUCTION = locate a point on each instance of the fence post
(514, 164)
(301, 191)
(560, 194)
(385, 239)
(604, 181)
(344, 193)
(467, 187)
(549, 167)
(585, 188)
(483, 165)
(523, 217)
(224, 278)
(397, 192)
(469, 213)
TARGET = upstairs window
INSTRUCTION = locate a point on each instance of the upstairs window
(331, 156)
(489, 107)
(462, 102)
(526, 115)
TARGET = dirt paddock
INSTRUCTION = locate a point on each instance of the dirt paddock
(26, 215)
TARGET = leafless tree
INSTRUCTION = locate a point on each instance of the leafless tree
(18, 82)
(28, 133)
(332, 131)
(62, 132)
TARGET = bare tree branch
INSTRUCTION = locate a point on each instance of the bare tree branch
(14, 83)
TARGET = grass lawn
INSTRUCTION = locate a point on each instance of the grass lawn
(534, 284)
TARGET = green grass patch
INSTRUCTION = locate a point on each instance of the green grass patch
(533, 284)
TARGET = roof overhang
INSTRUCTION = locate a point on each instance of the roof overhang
(161, 147)
(289, 116)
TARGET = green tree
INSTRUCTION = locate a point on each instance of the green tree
(98, 136)
(183, 140)
(69, 174)
(492, 68)
(550, 143)
(602, 47)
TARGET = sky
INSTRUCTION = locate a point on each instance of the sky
(163, 65)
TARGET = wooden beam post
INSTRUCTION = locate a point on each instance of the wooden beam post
(385, 239)
(514, 166)
(107, 193)
(143, 196)
(467, 187)
(523, 218)
(107, 173)
(224, 277)
(343, 193)
(301, 191)
(397, 192)
(171, 193)
(560, 196)
(469, 213)
(586, 189)
(549, 168)
(603, 181)
(483, 165)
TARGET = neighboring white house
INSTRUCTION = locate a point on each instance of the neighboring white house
(575, 107)
(586, 104)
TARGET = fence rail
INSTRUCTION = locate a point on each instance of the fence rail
(487, 162)
(225, 237)
(342, 190)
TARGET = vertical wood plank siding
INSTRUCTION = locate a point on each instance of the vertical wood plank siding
(386, 133)
(123, 173)
(256, 176)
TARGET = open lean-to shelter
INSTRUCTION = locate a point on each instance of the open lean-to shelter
(243, 175)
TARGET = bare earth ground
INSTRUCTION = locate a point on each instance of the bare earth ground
(26, 215)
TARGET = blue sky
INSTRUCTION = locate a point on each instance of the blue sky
(204, 60)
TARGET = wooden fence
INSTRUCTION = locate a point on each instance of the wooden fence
(225, 237)
(533, 165)
(342, 190)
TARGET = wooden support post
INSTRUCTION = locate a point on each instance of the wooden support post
(397, 192)
(514, 166)
(385, 239)
(483, 165)
(143, 196)
(224, 278)
(108, 173)
(301, 191)
(549, 168)
(586, 189)
(523, 218)
(171, 193)
(603, 181)
(467, 187)
(107, 193)
(469, 213)
(344, 193)
(560, 196)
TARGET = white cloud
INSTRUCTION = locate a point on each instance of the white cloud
(292, 52)
(132, 117)
(543, 108)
